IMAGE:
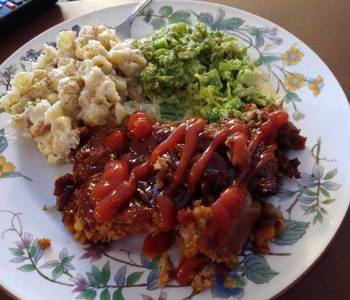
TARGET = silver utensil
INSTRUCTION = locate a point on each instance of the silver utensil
(123, 30)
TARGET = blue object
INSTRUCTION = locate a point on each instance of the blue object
(18, 2)
(4, 11)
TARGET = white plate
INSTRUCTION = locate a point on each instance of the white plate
(317, 203)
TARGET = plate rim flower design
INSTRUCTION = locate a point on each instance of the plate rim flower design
(312, 194)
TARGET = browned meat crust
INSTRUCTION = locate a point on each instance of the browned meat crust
(141, 214)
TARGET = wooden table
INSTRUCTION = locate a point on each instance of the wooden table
(324, 25)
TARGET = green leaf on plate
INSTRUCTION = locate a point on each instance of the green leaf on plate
(17, 251)
(105, 295)
(291, 97)
(328, 201)
(165, 11)
(154, 263)
(256, 269)
(92, 280)
(33, 248)
(266, 59)
(220, 15)
(67, 259)
(95, 277)
(253, 30)
(294, 230)
(240, 281)
(57, 272)
(325, 192)
(105, 274)
(324, 211)
(317, 218)
(158, 23)
(206, 18)
(308, 192)
(329, 175)
(180, 16)
(118, 295)
(88, 294)
(23, 66)
(229, 24)
(148, 15)
(133, 278)
(309, 209)
(259, 38)
(27, 268)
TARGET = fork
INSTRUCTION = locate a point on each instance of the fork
(123, 30)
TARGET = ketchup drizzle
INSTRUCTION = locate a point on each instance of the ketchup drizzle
(228, 205)
(199, 166)
(191, 139)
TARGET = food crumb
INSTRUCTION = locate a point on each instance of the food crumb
(230, 283)
(49, 208)
(203, 280)
(161, 164)
(165, 269)
(203, 215)
(44, 243)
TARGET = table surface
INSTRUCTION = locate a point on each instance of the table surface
(324, 25)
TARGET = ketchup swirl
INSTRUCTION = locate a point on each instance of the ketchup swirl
(120, 193)
(117, 185)
(191, 140)
(199, 166)
(174, 138)
(268, 130)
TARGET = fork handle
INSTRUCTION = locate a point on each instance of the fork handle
(139, 7)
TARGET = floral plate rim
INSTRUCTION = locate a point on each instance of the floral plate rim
(253, 16)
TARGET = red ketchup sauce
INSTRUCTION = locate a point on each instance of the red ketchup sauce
(225, 209)
(112, 200)
(191, 139)
(240, 155)
(167, 211)
(118, 185)
(115, 141)
(187, 268)
(140, 125)
(155, 245)
(185, 216)
(115, 172)
(230, 202)
(199, 166)
(268, 130)
(174, 138)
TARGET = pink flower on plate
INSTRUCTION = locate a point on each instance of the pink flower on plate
(80, 283)
(26, 241)
(95, 252)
